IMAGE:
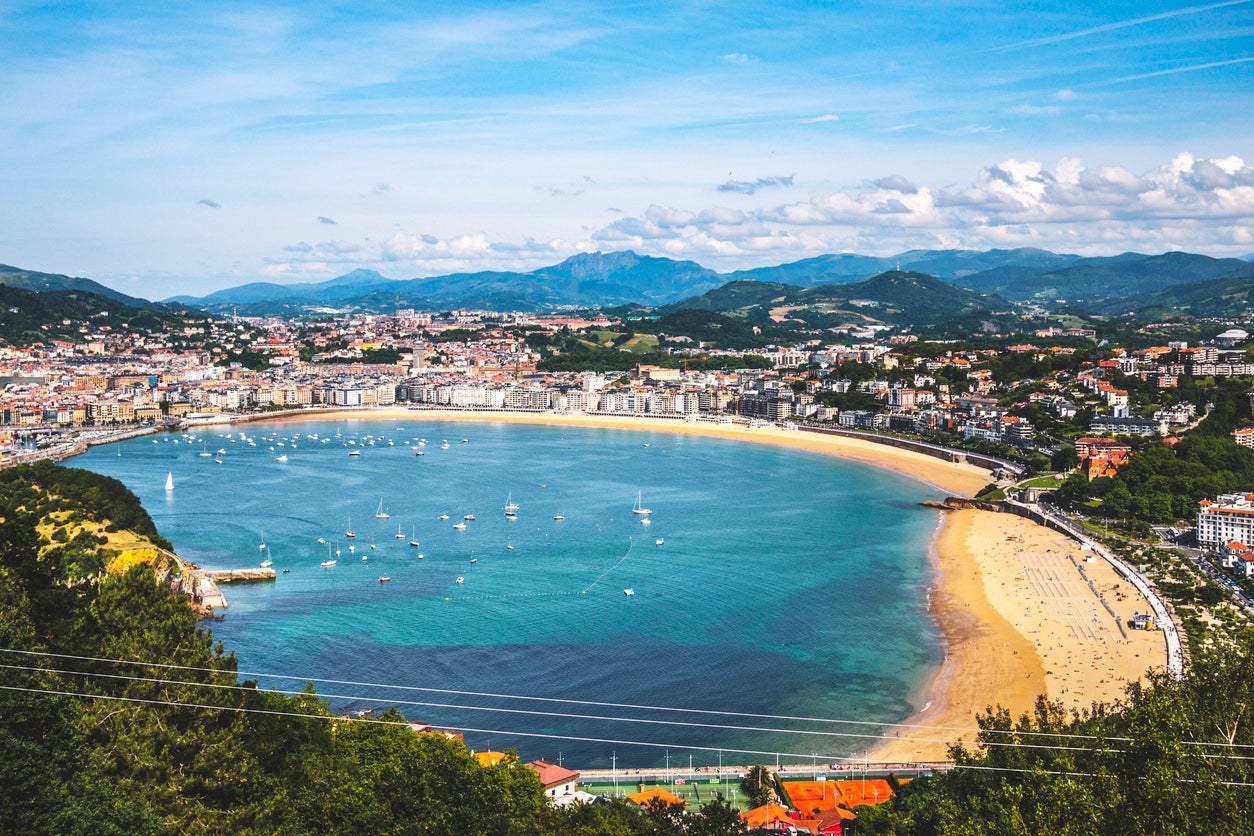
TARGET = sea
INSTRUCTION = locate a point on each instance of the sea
(770, 607)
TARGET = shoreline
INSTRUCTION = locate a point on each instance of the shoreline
(1020, 619)
(1000, 647)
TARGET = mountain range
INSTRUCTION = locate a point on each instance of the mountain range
(1173, 281)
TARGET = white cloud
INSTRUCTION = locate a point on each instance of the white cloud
(1190, 203)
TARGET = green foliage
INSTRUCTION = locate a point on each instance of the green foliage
(94, 747)
(1160, 484)
(382, 356)
(1171, 758)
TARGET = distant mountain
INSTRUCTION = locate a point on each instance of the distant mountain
(1226, 296)
(584, 280)
(41, 282)
(1093, 281)
(348, 286)
(894, 298)
(949, 265)
(615, 279)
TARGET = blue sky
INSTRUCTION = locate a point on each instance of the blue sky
(190, 147)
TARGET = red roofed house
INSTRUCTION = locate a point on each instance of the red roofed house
(769, 816)
(556, 780)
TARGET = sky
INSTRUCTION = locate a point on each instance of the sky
(180, 148)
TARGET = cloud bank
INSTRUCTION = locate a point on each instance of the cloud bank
(1191, 203)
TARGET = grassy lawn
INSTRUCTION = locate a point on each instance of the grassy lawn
(695, 793)
(1047, 481)
(640, 344)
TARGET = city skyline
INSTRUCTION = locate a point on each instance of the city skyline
(195, 148)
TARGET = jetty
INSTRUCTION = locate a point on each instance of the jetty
(242, 575)
(201, 586)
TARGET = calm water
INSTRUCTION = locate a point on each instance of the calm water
(788, 584)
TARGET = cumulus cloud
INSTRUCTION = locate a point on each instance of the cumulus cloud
(753, 186)
(323, 219)
(212, 204)
(896, 183)
(1187, 203)
(738, 58)
(1191, 203)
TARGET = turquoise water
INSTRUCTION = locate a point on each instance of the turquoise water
(788, 584)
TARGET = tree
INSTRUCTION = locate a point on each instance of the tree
(758, 785)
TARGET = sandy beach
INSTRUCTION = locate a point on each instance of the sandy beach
(1020, 620)
(1018, 615)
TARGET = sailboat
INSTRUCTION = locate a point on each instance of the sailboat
(381, 514)
(169, 481)
(510, 505)
(413, 539)
(638, 508)
(204, 451)
(349, 531)
(400, 535)
(268, 562)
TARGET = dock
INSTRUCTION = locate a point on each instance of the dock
(242, 575)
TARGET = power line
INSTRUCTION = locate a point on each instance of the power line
(568, 715)
(528, 712)
(589, 703)
(649, 744)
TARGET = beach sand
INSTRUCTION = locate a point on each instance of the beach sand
(1020, 620)
(1017, 617)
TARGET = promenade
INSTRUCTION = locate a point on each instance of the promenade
(1163, 615)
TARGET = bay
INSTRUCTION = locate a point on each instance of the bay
(785, 606)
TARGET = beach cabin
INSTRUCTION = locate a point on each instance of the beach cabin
(1143, 621)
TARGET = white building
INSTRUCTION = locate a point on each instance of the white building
(1230, 517)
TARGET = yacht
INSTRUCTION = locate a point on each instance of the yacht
(381, 514)
(638, 508)
(461, 526)
(461, 579)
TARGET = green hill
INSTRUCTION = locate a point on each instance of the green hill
(28, 317)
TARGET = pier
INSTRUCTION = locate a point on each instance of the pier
(242, 575)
